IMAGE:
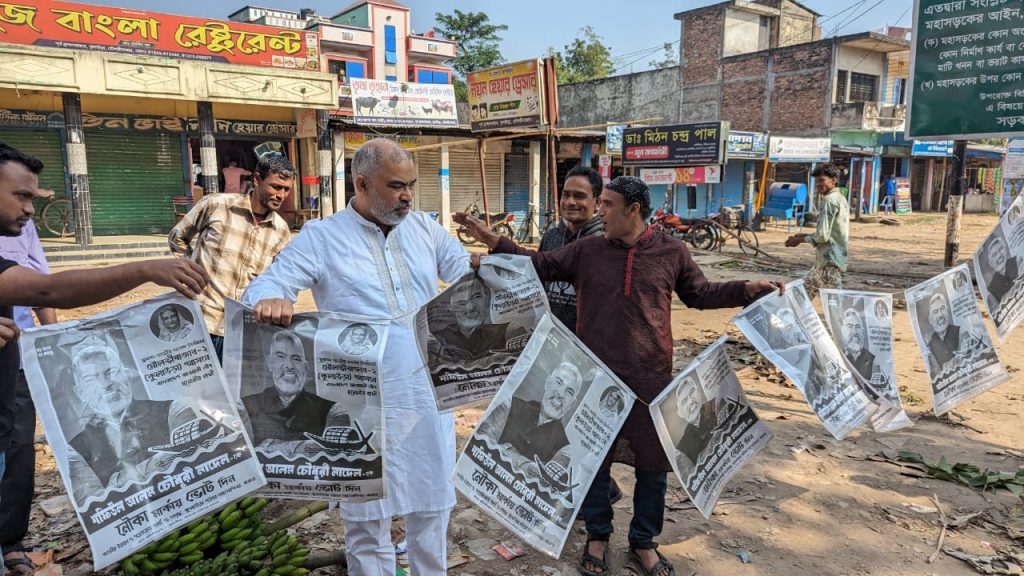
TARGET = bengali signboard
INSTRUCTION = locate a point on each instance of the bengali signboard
(403, 104)
(966, 79)
(686, 175)
(678, 145)
(613, 139)
(507, 96)
(939, 148)
(746, 145)
(799, 150)
(903, 196)
(140, 33)
(143, 123)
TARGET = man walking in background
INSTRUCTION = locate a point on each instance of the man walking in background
(832, 236)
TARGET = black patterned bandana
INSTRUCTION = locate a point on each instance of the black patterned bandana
(632, 189)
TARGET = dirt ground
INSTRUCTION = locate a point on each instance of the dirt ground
(807, 504)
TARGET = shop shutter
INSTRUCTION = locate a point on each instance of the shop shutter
(132, 179)
(735, 176)
(464, 165)
(46, 146)
(428, 188)
(517, 185)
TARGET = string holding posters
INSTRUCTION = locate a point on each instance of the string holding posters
(141, 425)
(707, 427)
(471, 334)
(958, 353)
(999, 269)
(543, 438)
(787, 331)
(310, 398)
(861, 326)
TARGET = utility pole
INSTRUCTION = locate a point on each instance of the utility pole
(956, 204)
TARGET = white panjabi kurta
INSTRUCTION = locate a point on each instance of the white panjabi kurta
(352, 268)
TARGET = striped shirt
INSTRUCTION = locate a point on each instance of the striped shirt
(230, 245)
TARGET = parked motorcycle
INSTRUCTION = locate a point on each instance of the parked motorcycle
(695, 231)
(501, 223)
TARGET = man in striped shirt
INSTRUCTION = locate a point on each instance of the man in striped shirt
(236, 237)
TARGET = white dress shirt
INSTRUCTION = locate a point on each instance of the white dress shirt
(353, 268)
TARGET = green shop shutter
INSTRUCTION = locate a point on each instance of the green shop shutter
(44, 145)
(132, 179)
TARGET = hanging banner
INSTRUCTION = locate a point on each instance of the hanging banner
(957, 351)
(139, 33)
(690, 175)
(604, 168)
(141, 426)
(472, 333)
(903, 201)
(403, 104)
(506, 96)
(799, 150)
(311, 401)
(613, 139)
(707, 427)
(999, 269)
(787, 331)
(861, 326)
(539, 446)
(746, 145)
(677, 145)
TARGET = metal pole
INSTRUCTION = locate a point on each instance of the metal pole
(78, 170)
(207, 148)
(483, 181)
(956, 204)
(325, 164)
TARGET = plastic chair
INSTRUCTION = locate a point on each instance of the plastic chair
(887, 205)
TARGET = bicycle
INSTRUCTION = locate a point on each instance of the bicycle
(55, 215)
(525, 230)
(735, 227)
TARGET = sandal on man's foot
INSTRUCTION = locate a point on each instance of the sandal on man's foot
(661, 568)
(589, 563)
(19, 564)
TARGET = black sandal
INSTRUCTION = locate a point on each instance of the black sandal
(18, 563)
(589, 559)
(659, 567)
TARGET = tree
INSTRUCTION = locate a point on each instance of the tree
(587, 58)
(476, 43)
(669, 58)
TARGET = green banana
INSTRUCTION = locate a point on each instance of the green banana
(129, 567)
(285, 570)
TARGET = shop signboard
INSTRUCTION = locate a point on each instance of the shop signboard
(966, 79)
(143, 123)
(684, 175)
(1013, 163)
(354, 140)
(604, 167)
(677, 145)
(903, 195)
(139, 33)
(932, 148)
(507, 96)
(613, 139)
(799, 150)
(403, 104)
(746, 145)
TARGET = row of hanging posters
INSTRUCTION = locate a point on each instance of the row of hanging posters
(180, 450)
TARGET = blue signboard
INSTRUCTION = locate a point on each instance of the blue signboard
(932, 148)
(747, 145)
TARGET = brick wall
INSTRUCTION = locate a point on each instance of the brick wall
(702, 44)
(743, 104)
(798, 103)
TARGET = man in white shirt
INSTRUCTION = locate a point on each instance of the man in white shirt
(380, 259)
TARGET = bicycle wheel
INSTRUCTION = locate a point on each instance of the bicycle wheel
(464, 237)
(504, 230)
(57, 218)
(748, 240)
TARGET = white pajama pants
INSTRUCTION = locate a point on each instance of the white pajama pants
(370, 551)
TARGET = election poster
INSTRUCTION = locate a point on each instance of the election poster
(999, 269)
(141, 425)
(543, 438)
(310, 398)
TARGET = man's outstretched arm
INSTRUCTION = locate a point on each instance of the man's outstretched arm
(20, 286)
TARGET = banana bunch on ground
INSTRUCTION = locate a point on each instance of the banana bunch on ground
(229, 542)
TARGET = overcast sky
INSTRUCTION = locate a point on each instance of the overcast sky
(635, 30)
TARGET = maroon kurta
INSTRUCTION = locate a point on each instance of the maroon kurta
(624, 315)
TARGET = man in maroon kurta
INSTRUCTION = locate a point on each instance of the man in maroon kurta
(624, 286)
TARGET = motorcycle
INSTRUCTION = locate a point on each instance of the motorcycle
(695, 231)
(501, 224)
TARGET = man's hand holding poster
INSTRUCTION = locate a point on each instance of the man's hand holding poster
(141, 425)
(471, 334)
(310, 397)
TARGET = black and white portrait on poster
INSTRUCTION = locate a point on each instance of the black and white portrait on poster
(538, 447)
(999, 269)
(861, 326)
(957, 351)
(310, 398)
(787, 331)
(707, 427)
(140, 423)
(471, 334)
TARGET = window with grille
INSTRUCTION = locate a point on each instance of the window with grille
(863, 87)
(842, 82)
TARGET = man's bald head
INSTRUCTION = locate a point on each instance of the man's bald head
(370, 157)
